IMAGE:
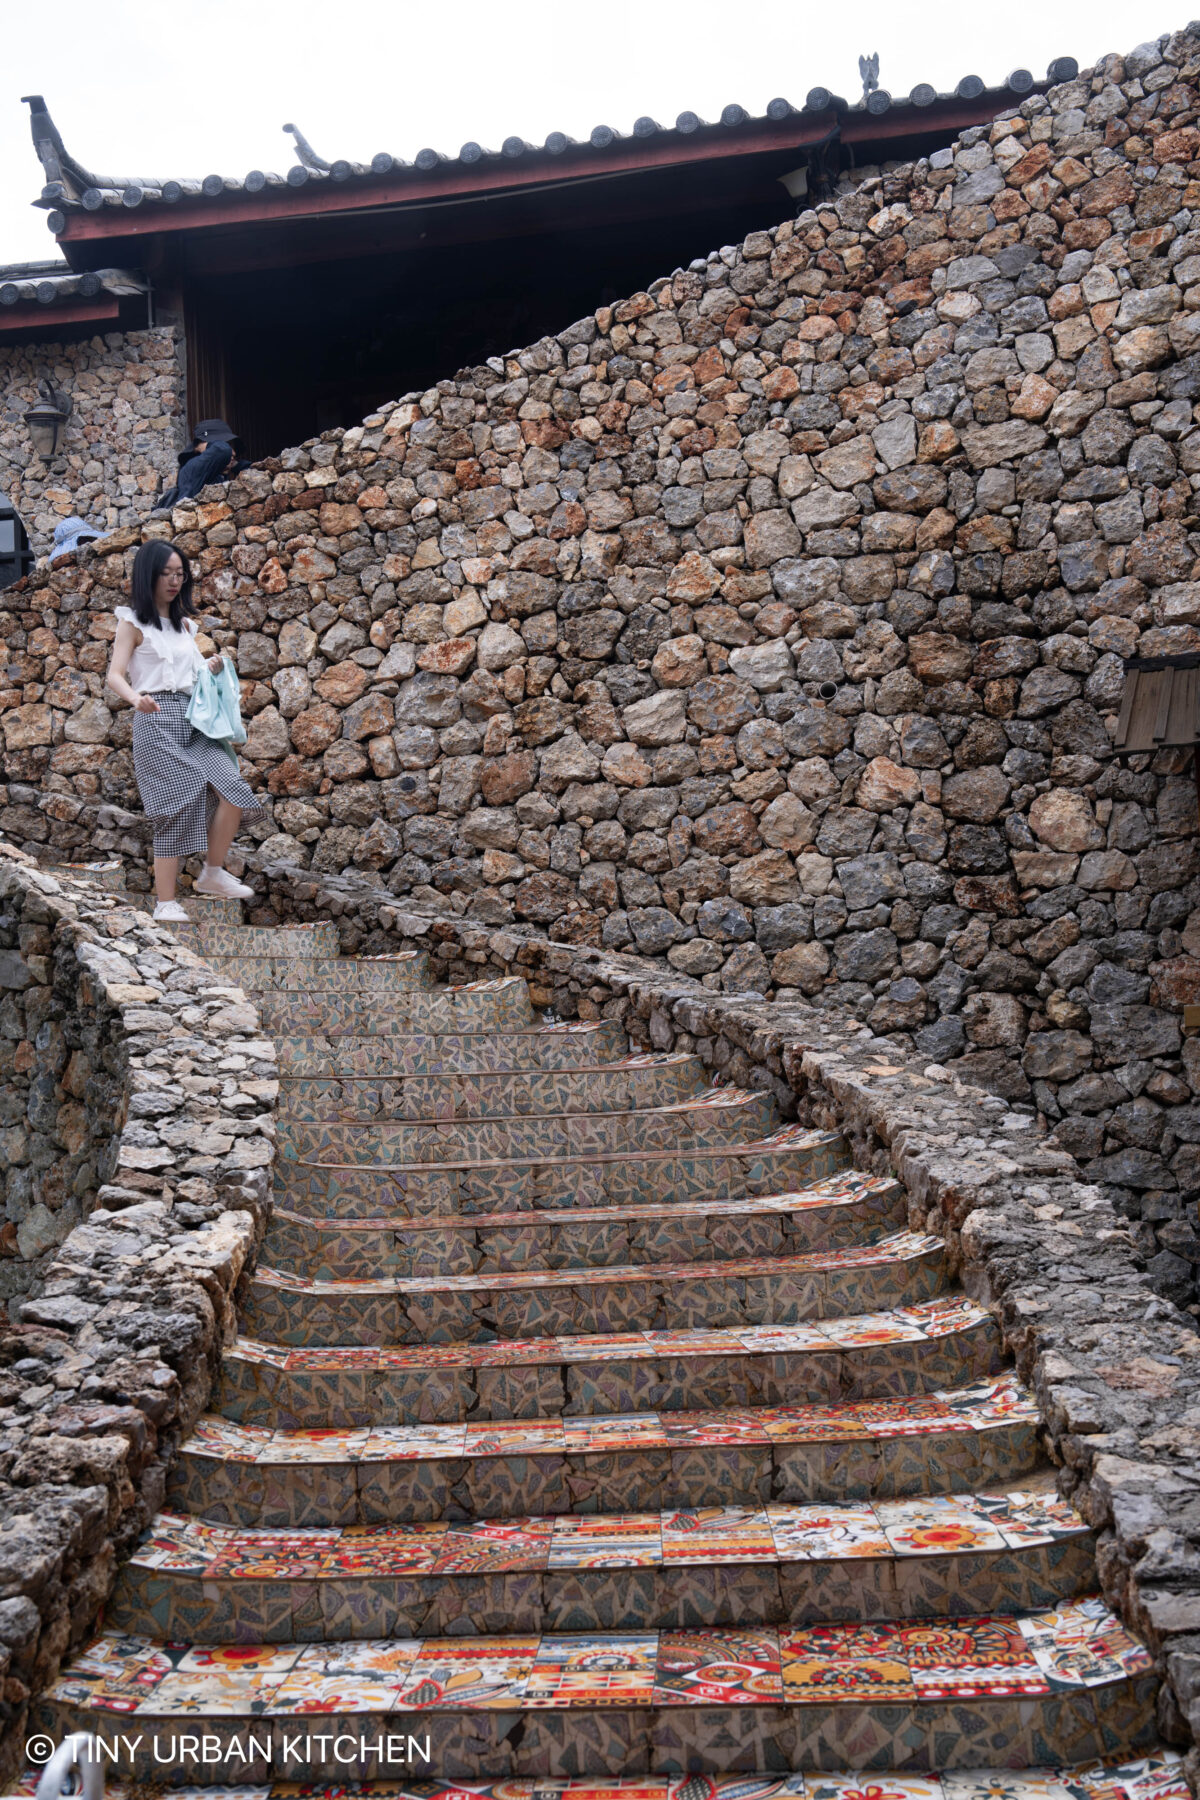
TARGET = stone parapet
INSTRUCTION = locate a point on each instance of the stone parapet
(137, 1140)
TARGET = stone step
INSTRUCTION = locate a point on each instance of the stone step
(790, 1158)
(947, 1342)
(751, 1290)
(952, 1556)
(382, 975)
(716, 1117)
(951, 1441)
(217, 938)
(109, 877)
(632, 1082)
(920, 1694)
(205, 913)
(1158, 1775)
(487, 1006)
(575, 1046)
(845, 1209)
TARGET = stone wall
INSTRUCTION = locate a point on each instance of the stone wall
(769, 624)
(125, 430)
(1115, 1367)
(136, 1188)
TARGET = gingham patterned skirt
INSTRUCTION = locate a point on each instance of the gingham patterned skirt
(181, 774)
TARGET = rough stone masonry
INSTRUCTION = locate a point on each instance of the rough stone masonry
(770, 624)
(136, 1137)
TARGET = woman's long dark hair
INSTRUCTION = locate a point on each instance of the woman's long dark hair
(148, 565)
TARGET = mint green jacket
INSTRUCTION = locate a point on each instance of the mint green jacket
(215, 707)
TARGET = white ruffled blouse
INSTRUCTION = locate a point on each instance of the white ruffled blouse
(163, 659)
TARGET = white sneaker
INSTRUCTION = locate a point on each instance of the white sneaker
(219, 884)
(169, 912)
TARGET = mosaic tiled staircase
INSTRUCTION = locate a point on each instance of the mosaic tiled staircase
(592, 1423)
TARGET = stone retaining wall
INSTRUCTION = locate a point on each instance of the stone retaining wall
(1115, 1366)
(136, 1188)
(127, 394)
(769, 624)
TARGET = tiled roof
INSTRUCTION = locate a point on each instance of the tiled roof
(71, 188)
(44, 283)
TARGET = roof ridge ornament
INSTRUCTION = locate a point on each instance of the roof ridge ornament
(306, 153)
(60, 166)
(868, 68)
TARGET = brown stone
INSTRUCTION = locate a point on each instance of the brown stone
(342, 684)
(625, 765)
(543, 897)
(310, 566)
(25, 726)
(291, 776)
(935, 657)
(1065, 821)
(768, 879)
(1099, 198)
(369, 717)
(976, 794)
(453, 656)
(804, 966)
(680, 662)
(730, 830)
(994, 1021)
(539, 721)
(721, 703)
(315, 729)
(883, 785)
(694, 578)
(503, 779)
(272, 578)
(988, 893)
(787, 824)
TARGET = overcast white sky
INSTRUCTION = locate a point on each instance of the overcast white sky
(197, 87)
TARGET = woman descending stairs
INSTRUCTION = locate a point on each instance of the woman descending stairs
(590, 1422)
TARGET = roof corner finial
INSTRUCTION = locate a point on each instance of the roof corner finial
(306, 153)
(46, 141)
(868, 68)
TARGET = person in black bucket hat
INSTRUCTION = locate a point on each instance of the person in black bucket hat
(214, 454)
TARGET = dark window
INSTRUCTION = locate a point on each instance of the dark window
(16, 558)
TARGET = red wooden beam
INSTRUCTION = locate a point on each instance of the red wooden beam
(452, 180)
(72, 312)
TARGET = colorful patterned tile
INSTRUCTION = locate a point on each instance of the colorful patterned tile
(718, 1668)
(973, 1659)
(496, 1546)
(937, 1525)
(411, 1443)
(1030, 1517)
(314, 1447)
(612, 1670)
(380, 1656)
(311, 1690)
(377, 1551)
(838, 1663)
(1082, 1645)
(724, 1534)
(607, 1540)
(514, 1437)
(476, 1673)
(826, 1533)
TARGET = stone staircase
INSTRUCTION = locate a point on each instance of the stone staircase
(590, 1422)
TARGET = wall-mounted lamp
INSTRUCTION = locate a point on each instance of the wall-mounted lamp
(795, 181)
(47, 419)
